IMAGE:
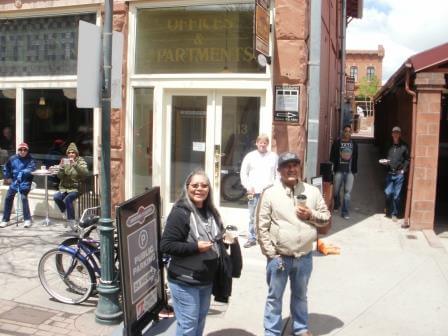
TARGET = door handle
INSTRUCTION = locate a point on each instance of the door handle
(217, 164)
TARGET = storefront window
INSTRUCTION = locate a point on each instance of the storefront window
(51, 122)
(7, 124)
(40, 46)
(142, 156)
(196, 39)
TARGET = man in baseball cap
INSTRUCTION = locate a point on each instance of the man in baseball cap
(17, 172)
(287, 157)
(286, 230)
(397, 163)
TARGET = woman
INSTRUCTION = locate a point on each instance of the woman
(71, 170)
(192, 233)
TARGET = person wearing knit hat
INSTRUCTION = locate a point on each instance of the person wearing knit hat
(17, 173)
(72, 169)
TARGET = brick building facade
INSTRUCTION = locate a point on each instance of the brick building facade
(167, 93)
(364, 64)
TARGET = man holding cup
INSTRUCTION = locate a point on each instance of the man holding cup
(287, 216)
(72, 169)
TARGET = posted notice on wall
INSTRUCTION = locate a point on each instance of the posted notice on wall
(286, 103)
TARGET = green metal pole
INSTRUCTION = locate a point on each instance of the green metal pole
(108, 310)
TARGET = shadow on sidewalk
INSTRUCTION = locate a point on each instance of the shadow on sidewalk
(322, 324)
(231, 332)
(319, 324)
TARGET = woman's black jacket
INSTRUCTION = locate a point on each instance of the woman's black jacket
(186, 264)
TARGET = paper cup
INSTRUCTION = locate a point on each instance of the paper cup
(301, 200)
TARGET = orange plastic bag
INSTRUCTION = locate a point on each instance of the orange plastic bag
(326, 248)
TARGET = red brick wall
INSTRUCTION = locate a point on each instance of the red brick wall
(329, 79)
(291, 67)
(426, 160)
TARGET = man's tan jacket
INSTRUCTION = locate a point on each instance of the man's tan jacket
(279, 230)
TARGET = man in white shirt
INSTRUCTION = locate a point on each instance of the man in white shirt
(258, 171)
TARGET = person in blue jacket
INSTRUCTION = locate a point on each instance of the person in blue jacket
(17, 172)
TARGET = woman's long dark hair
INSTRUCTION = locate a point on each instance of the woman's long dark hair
(208, 202)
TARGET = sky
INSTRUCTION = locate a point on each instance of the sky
(403, 27)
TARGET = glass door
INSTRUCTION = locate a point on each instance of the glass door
(188, 139)
(240, 124)
(212, 130)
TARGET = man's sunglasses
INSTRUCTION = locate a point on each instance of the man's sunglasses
(23, 150)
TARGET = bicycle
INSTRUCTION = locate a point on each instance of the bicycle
(70, 272)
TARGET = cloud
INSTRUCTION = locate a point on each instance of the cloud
(403, 27)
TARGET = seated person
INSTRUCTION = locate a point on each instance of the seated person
(72, 169)
(17, 173)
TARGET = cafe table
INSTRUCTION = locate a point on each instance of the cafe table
(45, 173)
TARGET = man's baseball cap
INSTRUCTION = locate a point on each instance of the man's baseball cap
(23, 145)
(396, 129)
(287, 157)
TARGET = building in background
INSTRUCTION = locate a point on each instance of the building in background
(415, 98)
(198, 86)
(365, 69)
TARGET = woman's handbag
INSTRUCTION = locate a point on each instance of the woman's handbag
(222, 283)
(236, 258)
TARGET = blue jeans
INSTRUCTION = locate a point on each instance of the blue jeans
(394, 184)
(191, 304)
(344, 179)
(252, 205)
(9, 200)
(299, 271)
(64, 201)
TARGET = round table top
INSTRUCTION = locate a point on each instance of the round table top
(40, 172)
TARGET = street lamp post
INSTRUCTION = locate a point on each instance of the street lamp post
(108, 310)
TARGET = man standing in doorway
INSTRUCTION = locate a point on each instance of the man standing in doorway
(258, 170)
(397, 163)
(287, 216)
(344, 155)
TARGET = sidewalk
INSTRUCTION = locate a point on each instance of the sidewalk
(25, 308)
(387, 281)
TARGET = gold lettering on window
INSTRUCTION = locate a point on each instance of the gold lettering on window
(198, 55)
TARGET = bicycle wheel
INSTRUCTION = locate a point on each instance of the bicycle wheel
(65, 277)
(231, 188)
(94, 260)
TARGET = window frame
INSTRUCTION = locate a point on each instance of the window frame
(21, 83)
(370, 72)
(354, 72)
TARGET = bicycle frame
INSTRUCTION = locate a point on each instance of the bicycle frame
(84, 246)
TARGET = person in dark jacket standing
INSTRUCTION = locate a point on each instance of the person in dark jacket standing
(72, 169)
(17, 172)
(344, 155)
(397, 163)
(191, 236)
